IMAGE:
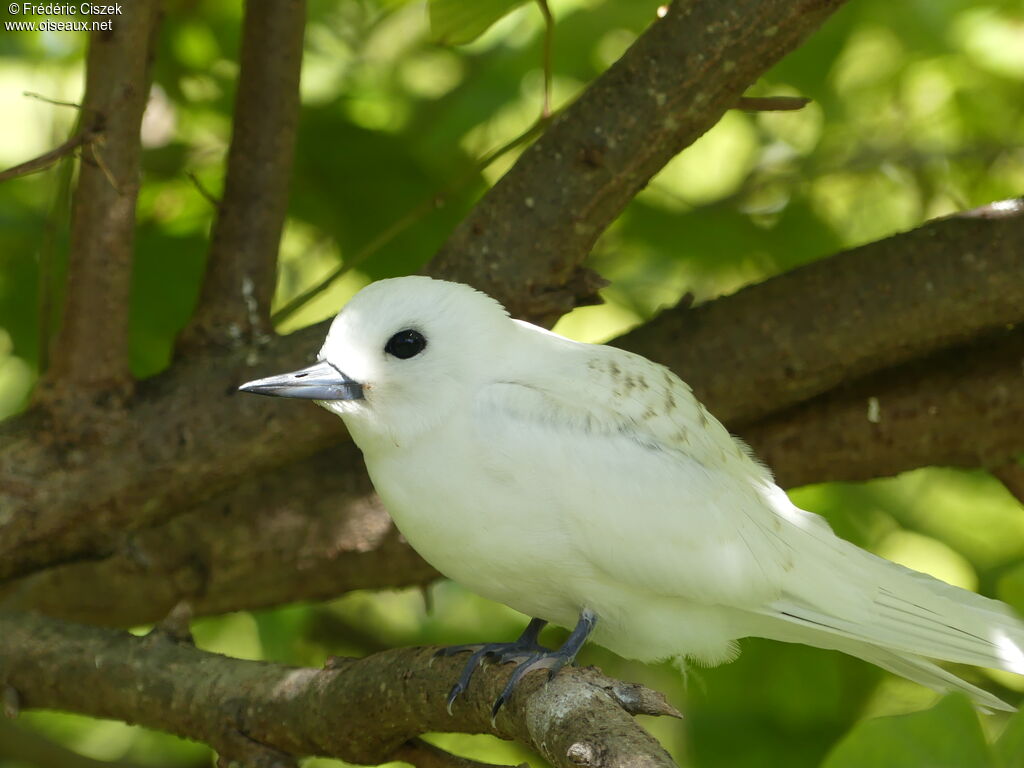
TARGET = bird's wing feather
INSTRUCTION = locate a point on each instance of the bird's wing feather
(655, 490)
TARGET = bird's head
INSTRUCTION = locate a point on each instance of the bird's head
(400, 356)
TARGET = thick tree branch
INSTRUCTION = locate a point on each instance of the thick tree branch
(359, 710)
(670, 87)
(192, 438)
(242, 263)
(314, 529)
(90, 352)
(804, 332)
(961, 407)
(309, 531)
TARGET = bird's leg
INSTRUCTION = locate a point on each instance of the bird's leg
(525, 646)
(552, 661)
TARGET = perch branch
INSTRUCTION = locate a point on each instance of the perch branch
(242, 264)
(359, 710)
(90, 353)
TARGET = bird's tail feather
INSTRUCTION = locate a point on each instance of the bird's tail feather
(930, 675)
(909, 619)
(908, 665)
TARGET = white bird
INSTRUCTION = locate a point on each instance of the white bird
(586, 486)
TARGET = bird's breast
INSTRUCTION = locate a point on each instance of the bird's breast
(479, 523)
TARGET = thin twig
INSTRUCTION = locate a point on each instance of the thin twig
(412, 216)
(48, 100)
(549, 39)
(44, 161)
(772, 103)
(104, 168)
(56, 221)
(210, 197)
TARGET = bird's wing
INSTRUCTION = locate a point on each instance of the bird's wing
(654, 491)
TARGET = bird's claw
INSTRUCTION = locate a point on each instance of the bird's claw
(552, 661)
(453, 694)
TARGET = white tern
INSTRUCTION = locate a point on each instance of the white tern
(586, 486)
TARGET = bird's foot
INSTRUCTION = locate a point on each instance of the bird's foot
(524, 647)
(526, 653)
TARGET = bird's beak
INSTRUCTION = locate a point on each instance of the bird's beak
(321, 381)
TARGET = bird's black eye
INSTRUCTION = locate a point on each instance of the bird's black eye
(405, 344)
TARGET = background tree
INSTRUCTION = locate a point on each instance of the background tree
(161, 259)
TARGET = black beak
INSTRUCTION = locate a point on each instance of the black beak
(321, 381)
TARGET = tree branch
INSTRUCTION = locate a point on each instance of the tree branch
(917, 415)
(670, 87)
(308, 531)
(752, 353)
(44, 161)
(359, 710)
(806, 331)
(242, 263)
(772, 103)
(90, 353)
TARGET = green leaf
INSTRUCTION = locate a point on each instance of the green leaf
(946, 736)
(460, 21)
(1009, 748)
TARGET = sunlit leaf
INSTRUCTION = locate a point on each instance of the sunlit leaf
(946, 736)
(457, 21)
(1009, 748)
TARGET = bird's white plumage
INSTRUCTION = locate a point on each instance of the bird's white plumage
(555, 476)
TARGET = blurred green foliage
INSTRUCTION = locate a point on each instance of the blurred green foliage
(917, 112)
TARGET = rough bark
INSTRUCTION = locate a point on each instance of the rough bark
(234, 307)
(361, 710)
(90, 353)
(670, 87)
(962, 407)
(309, 531)
(804, 332)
